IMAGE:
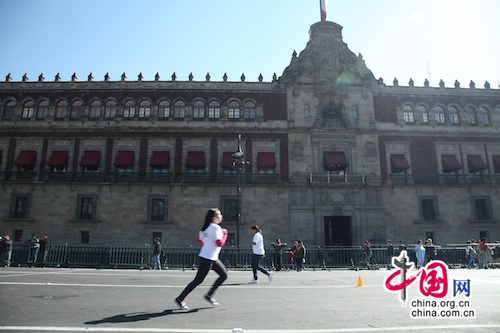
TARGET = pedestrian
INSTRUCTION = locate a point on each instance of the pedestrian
(420, 254)
(258, 252)
(34, 246)
(402, 246)
(496, 253)
(367, 250)
(213, 237)
(300, 255)
(44, 249)
(1, 246)
(7, 250)
(485, 253)
(155, 259)
(290, 256)
(470, 255)
(430, 251)
(390, 254)
(278, 253)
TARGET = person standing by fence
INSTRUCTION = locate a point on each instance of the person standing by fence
(485, 253)
(34, 246)
(300, 256)
(6, 250)
(420, 254)
(390, 254)
(470, 255)
(155, 259)
(278, 254)
(290, 256)
(367, 250)
(258, 253)
(44, 249)
(213, 238)
(430, 251)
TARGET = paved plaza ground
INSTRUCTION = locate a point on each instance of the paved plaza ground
(89, 300)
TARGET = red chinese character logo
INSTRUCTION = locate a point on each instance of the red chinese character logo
(433, 278)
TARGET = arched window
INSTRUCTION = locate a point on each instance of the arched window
(199, 110)
(453, 115)
(163, 109)
(9, 109)
(214, 110)
(77, 110)
(61, 110)
(144, 109)
(470, 115)
(129, 109)
(249, 110)
(179, 110)
(110, 109)
(483, 116)
(95, 109)
(28, 110)
(42, 110)
(422, 114)
(233, 111)
(439, 114)
(408, 113)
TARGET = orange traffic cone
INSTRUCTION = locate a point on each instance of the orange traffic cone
(360, 282)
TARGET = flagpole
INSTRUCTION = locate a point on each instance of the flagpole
(320, 11)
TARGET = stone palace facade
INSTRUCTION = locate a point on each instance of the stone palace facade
(334, 156)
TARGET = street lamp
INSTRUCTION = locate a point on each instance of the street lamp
(238, 164)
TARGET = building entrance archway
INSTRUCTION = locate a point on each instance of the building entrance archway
(338, 231)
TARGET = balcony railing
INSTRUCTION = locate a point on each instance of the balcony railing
(23, 176)
(444, 179)
(346, 178)
(230, 178)
(148, 178)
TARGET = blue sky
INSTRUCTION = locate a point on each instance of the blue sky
(406, 39)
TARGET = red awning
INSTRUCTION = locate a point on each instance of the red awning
(227, 159)
(160, 159)
(266, 160)
(450, 163)
(335, 160)
(476, 163)
(58, 158)
(195, 159)
(90, 158)
(496, 163)
(26, 158)
(124, 159)
(399, 163)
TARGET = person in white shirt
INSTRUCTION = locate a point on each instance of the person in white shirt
(213, 238)
(258, 253)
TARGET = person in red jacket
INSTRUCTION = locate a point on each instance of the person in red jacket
(486, 258)
(213, 238)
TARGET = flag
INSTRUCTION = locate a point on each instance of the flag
(322, 5)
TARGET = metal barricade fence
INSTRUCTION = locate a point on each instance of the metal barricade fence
(57, 254)
(129, 256)
(95, 256)
(139, 256)
(185, 258)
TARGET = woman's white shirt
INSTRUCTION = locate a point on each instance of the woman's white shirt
(210, 250)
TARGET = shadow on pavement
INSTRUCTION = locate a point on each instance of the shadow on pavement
(141, 316)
